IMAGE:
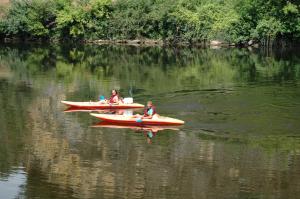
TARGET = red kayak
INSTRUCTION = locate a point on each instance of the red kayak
(72, 109)
(98, 105)
(123, 119)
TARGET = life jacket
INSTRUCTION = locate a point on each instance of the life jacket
(149, 111)
(114, 99)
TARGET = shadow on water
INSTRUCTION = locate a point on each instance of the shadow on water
(240, 140)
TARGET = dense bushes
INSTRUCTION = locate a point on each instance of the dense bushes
(175, 20)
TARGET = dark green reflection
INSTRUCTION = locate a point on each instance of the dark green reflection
(153, 68)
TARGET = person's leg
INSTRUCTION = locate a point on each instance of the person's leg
(137, 116)
(155, 116)
(102, 101)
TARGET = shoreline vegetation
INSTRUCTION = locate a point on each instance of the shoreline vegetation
(216, 23)
(142, 42)
(160, 43)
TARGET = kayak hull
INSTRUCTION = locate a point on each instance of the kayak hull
(139, 127)
(72, 109)
(121, 119)
(98, 105)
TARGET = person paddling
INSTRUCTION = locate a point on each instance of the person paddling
(149, 112)
(114, 98)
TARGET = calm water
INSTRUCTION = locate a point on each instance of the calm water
(241, 138)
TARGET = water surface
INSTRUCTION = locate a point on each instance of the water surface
(241, 138)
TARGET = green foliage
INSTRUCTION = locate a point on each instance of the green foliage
(176, 20)
(217, 18)
(79, 19)
(140, 19)
(29, 18)
(2, 29)
(291, 16)
(71, 21)
(268, 27)
(16, 21)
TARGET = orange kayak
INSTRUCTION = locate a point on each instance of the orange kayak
(98, 105)
(123, 119)
(138, 127)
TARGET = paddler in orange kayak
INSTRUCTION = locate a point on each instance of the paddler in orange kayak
(149, 112)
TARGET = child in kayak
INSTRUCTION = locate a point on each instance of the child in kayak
(149, 112)
(114, 98)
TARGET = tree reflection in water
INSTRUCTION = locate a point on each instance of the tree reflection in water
(240, 141)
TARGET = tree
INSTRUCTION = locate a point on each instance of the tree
(30, 18)
(291, 20)
(235, 21)
(78, 19)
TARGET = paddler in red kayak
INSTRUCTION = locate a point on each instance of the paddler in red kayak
(114, 98)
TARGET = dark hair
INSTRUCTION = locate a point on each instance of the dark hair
(115, 91)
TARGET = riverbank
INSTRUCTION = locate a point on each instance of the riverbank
(214, 43)
(205, 43)
(152, 42)
(141, 42)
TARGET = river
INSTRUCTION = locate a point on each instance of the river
(241, 137)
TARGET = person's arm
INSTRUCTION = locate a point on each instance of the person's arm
(147, 117)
